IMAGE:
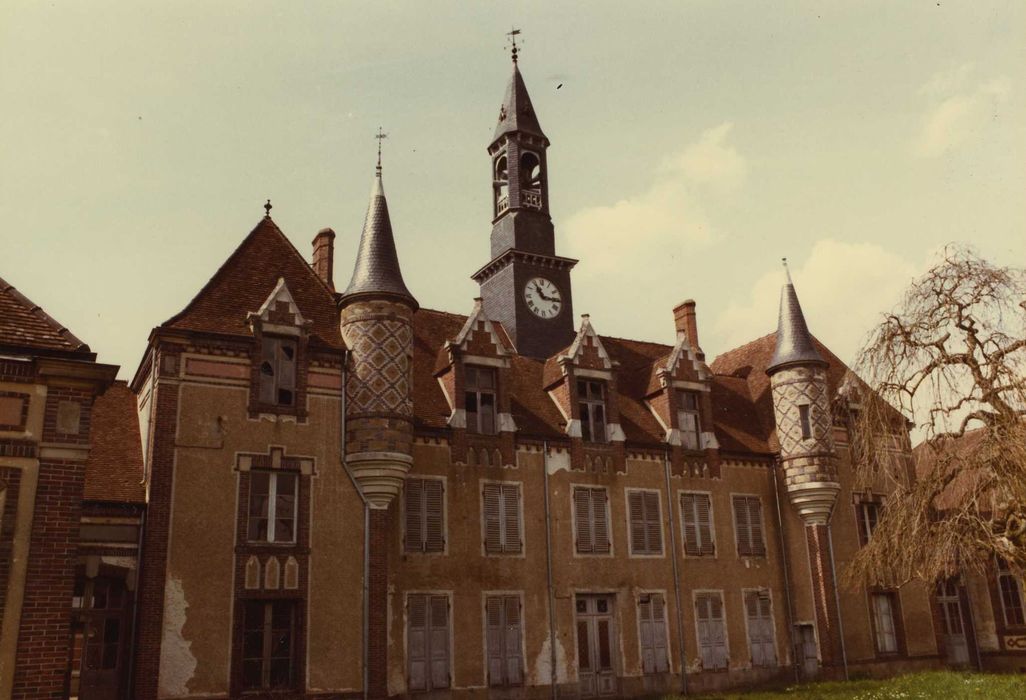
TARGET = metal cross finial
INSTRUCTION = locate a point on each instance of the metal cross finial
(267, 208)
(381, 135)
(512, 34)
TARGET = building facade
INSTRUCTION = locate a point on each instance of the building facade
(342, 494)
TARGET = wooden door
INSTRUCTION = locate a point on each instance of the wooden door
(808, 657)
(595, 644)
(427, 641)
(99, 638)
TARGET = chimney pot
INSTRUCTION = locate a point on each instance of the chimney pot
(686, 323)
(324, 256)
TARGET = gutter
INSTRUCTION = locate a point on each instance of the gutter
(787, 577)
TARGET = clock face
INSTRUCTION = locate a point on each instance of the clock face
(543, 298)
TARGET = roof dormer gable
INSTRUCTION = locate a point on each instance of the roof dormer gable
(279, 313)
(587, 351)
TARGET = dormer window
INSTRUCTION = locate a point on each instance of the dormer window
(688, 421)
(804, 418)
(278, 371)
(480, 397)
(591, 400)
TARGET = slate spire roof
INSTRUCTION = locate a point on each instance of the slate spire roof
(794, 342)
(517, 112)
(377, 272)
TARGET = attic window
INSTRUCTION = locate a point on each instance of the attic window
(688, 421)
(591, 398)
(480, 399)
(278, 372)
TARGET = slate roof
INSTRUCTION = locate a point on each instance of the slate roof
(794, 342)
(517, 113)
(737, 426)
(242, 284)
(376, 270)
(114, 470)
(25, 326)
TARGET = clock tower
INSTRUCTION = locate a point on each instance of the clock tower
(526, 286)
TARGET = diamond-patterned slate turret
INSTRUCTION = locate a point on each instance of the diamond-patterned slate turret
(801, 404)
(377, 316)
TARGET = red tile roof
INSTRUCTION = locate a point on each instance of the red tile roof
(247, 278)
(24, 324)
(114, 470)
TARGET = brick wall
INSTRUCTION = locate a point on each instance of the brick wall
(377, 621)
(824, 601)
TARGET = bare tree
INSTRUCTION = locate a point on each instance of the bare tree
(950, 365)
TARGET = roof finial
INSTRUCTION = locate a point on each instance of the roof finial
(787, 270)
(379, 136)
(512, 34)
(267, 209)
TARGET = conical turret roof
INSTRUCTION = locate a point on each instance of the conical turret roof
(377, 272)
(794, 342)
(517, 112)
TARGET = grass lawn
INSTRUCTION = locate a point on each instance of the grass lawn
(938, 684)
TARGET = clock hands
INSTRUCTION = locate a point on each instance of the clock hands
(537, 289)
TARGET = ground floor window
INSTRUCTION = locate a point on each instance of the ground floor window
(268, 645)
(1011, 595)
(712, 632)
(882, 605)
(427, 638)
(761, 637)
(652, 620)
(505, 659)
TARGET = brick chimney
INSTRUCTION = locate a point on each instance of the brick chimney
(324, 256)
(686, 323)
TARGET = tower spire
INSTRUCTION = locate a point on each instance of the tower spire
(794, 342)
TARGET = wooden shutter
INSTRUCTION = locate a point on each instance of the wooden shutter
(496, 658)
(417, 641)
(511, 641)
(660, 655)
(712, 636)
(645, 619)
(755, 523)
(413, 515)
(636, 511)
(438, 643)
(492, 519)
(268, 369)
(703, 515)
(653, 523)
(761, 638)
(600, 522)
(741, 527)
(583, 520)
(689, 519)
(511, 541)
(434, 516)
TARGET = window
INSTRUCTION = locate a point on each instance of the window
(761, 638)
(278, 372)
(427, 637)
(712, 632)
(505, 661)
(592, 403)
(502, 519)
(1010, 589)
(591, 520)
(806, 421)
(867, 513)
(272, 506)
(696, 519)
(652, 619)
(688, 421)
(882, 605)
(269, 635)
(480, 399)
(748, 526)
(425, 516)
(645, 522)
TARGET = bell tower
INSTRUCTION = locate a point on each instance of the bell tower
(526, 285)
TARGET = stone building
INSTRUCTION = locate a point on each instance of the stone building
(342, 494)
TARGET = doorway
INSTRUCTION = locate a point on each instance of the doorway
(595, 645)
(806, 650)
(953, 629)
(99, 636)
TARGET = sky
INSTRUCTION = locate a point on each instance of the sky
(694, 144)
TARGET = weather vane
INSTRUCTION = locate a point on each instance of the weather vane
(513, 34)
(380, 136)
(267, 208)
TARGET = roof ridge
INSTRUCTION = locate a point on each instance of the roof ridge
(37, 310)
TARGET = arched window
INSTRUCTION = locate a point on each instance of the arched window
(501, 184)
(530, 171)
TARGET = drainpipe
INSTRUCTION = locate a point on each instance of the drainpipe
(676, 577)
(135, 599)
(553, 676)
(787, 578)
(366, 534)
(837, 601)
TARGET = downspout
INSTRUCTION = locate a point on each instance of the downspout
(553, 676)
(837, 602)
(135, 599)
(366, 535)
(676, 577)
(787, 576)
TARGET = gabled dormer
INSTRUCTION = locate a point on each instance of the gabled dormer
(473, 370)
(278, 370)
(582, 382)
(679, 395)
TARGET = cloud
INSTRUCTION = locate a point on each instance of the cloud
(843, 287)
(957, 109)
(711, 161)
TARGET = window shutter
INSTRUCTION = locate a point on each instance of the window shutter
(434, 520)
(583, 519)
(660, 654)
(414, 504)
(514, 664)
(719, 633)
(744, 535)
(511, 518)
(439, 642)
(417, 642)
(600, 530)
(653, 524)
(688, 513)
(637, 516)
(286, 365)
(492, 521)
(647, 650)
(704, 525)
(496, 658)
(268, 369)
(755, 523)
